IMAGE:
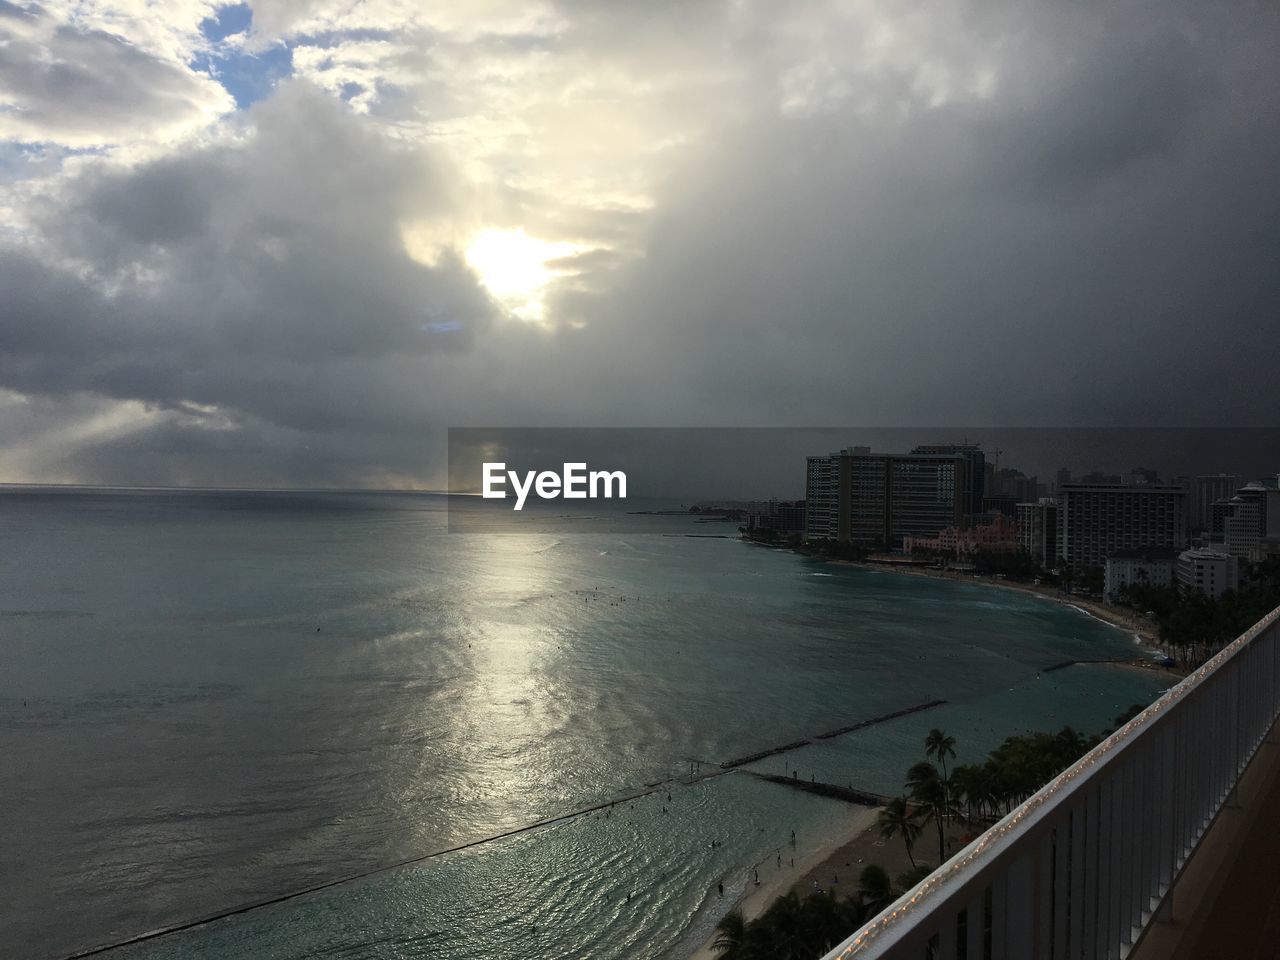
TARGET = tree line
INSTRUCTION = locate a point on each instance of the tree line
(1199, 625)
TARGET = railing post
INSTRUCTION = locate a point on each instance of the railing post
(1275, 677)
(975, 928)
(1092, 913)
(1020, 909)
(1102, 876)
(1168, 809)
(1115, 871)
(1061, 886)
(1134, 811)
(1000, 916)
(1044, 895)
(1233, 710)
(949, 938)
(1081, 828)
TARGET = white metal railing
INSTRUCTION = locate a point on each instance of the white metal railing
(1081, 868)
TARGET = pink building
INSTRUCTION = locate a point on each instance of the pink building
(991, 533)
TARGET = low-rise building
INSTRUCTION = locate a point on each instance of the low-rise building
(1267, 548)
(1207, 571)
(780, 516)
(1138, 567)
(989, 533)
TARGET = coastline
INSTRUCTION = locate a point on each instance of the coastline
(852, 848)
(1143, 632)
(775, 883)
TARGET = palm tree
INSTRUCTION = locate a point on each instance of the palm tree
(1072, 744)
(896, 818)
(938, 744)
(988, 791)
(1000, 787)
(929, 790)
(921, 777)
(782, 928)
(964, 787)
(826, 922)
(853, 914)
(731, 935)
(876, 889)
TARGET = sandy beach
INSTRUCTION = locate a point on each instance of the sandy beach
(837, 864)
(775, 882)
(839, 870)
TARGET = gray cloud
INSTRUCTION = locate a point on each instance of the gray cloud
(265, 277)
(83, 86)
(1092, 244)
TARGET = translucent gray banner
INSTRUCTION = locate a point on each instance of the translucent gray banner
(705, 481)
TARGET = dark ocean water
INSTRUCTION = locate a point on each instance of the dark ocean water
(212, 698)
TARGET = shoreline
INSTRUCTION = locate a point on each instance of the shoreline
(757, 899)
(1142, 632)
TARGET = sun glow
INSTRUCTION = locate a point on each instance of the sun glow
(517, 269)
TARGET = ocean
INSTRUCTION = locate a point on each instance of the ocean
(210, 699)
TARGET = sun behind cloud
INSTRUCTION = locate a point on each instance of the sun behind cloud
(517, 269)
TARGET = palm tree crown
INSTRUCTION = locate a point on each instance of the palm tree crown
(938, 744)
(731, 935)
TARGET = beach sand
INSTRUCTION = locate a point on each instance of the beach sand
(774, 882)
(838, 863)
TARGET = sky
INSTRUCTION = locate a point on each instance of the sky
(292, 242)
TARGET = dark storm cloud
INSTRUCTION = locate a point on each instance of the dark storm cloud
(241, 275)
(1089, 235)
(1094, 243)
(1079, 115)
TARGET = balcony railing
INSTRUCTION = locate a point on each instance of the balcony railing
(1081, 868)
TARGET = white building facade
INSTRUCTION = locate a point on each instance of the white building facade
(1135, 568)
(1207, 571)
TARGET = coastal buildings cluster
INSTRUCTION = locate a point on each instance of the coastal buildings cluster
(952, 504)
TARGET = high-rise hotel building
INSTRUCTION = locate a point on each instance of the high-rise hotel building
(873, 500)
(1205, 492)
(1037, 525)
(1095, 521)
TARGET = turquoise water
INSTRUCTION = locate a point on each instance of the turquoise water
(210, 699)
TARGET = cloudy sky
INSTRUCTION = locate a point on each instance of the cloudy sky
(290, 242)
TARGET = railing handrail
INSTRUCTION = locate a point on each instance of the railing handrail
(953, 883)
